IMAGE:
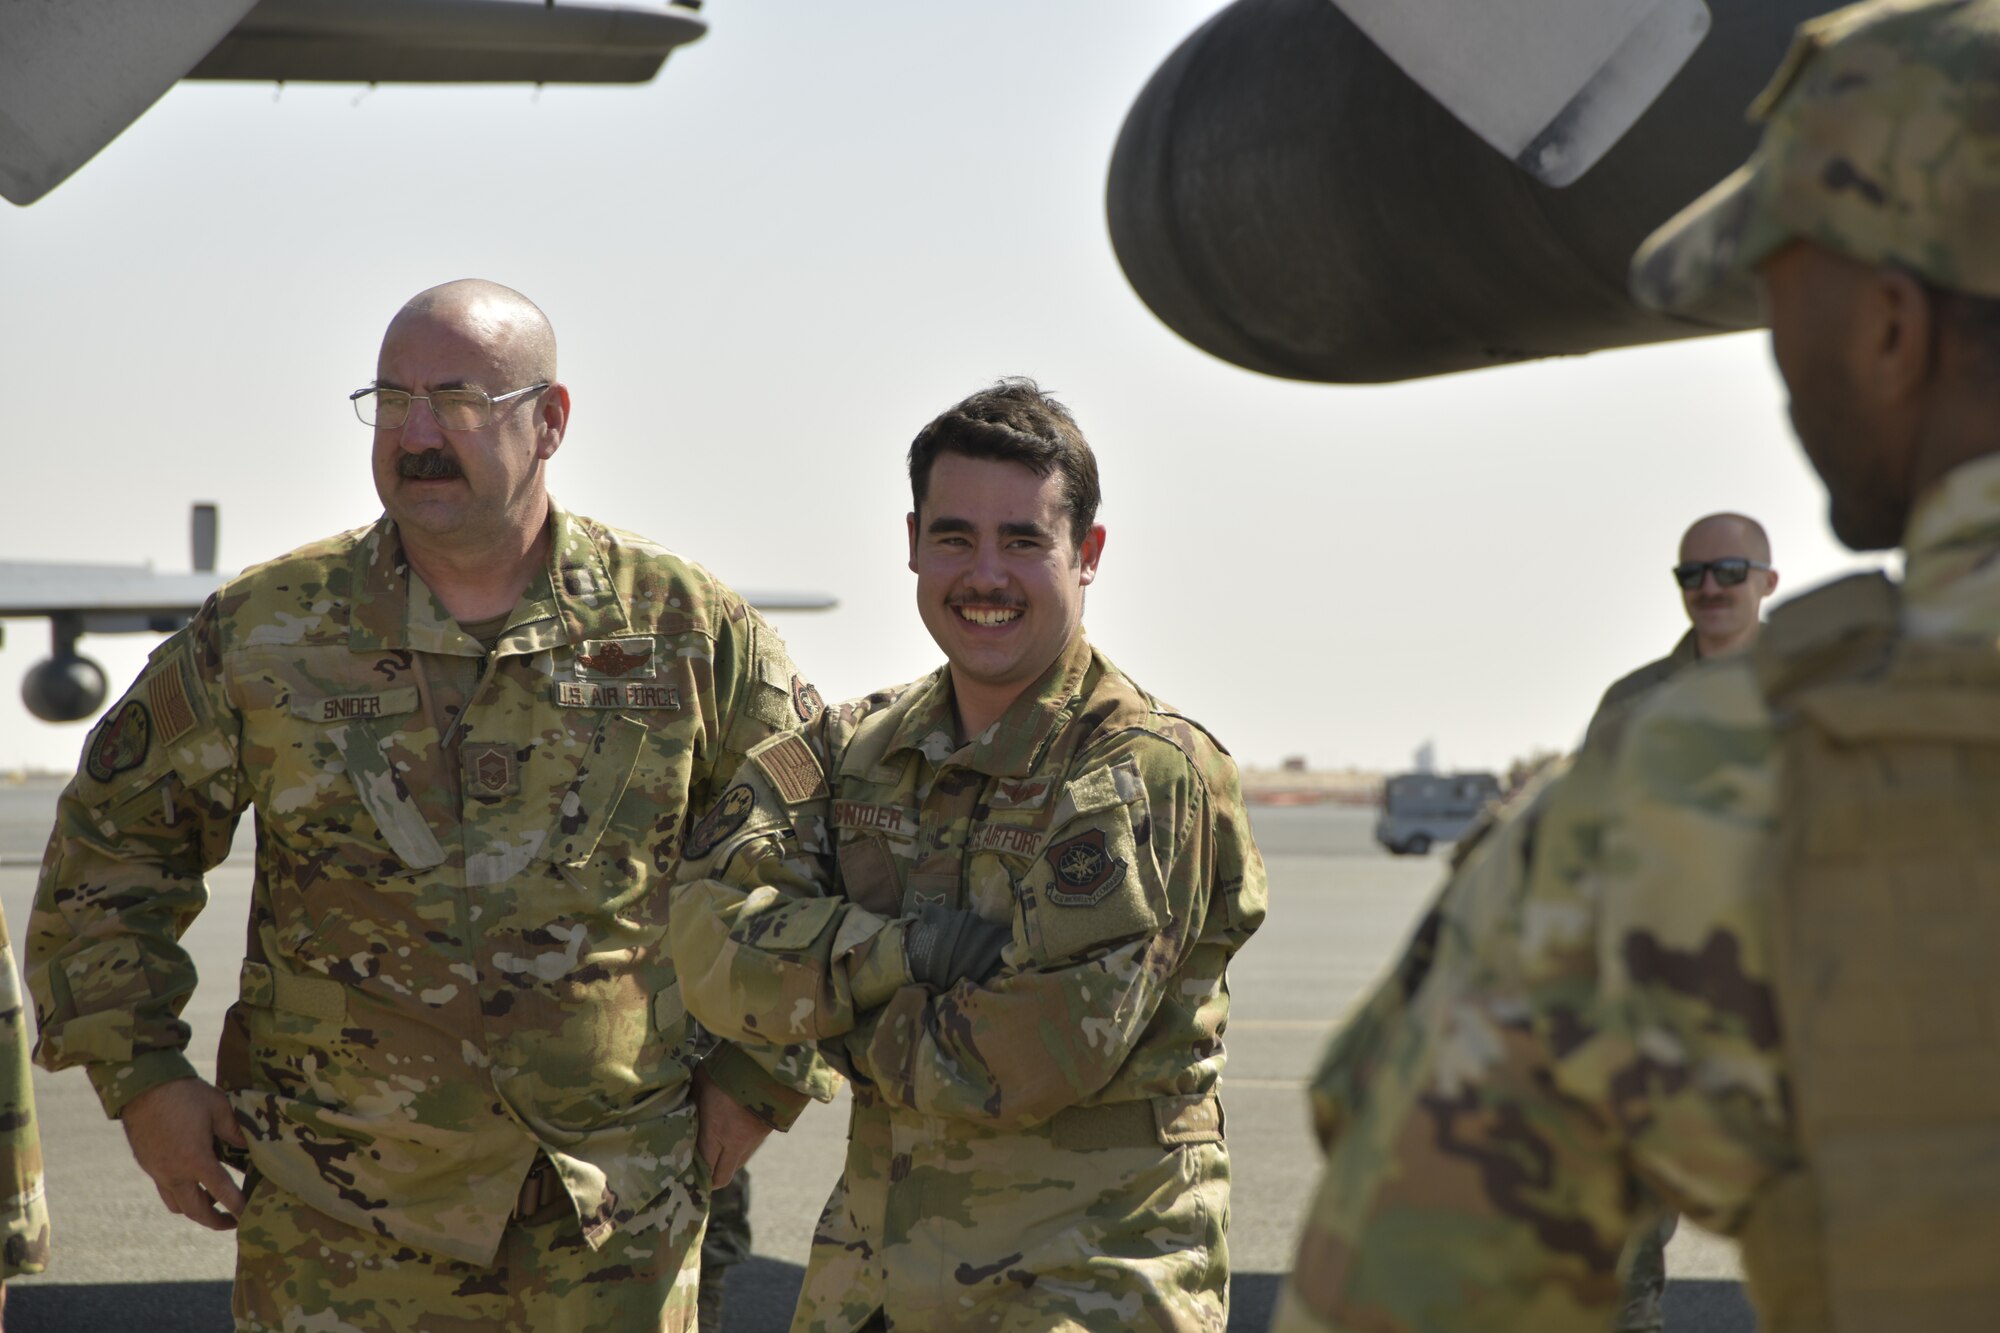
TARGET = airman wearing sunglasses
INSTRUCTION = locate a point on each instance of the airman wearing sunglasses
(1738, 959)
(458, 1065)
(1724, 575)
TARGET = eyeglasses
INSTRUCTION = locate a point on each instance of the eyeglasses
(452, 409)
(1729, 571)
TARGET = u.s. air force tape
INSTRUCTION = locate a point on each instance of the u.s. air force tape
(616, 694)
(792, 769)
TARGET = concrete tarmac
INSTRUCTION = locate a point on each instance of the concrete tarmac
(1340, 908)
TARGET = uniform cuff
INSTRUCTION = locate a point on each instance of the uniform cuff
(878, 968)
(118, 1082)
(750, 1086)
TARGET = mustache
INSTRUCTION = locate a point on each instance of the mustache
(430, 465)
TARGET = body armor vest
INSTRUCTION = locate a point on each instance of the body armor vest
(1885, 924)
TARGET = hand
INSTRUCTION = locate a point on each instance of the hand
(944, 946)
(725, 1134)
(172, 1129)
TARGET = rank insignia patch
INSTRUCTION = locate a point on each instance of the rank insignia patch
(805, 699)
(727, 816)
(490, 771)
(123, 743)
(617, 659)
(1085, 870)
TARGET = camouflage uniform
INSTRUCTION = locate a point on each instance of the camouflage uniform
(1043, 1151)
(455, 965)
(1645, 1261)
(1629, 688)
(1738, 957)
(24, 1211)
(724, 1245)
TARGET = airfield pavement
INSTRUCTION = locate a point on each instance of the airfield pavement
(1339, 908)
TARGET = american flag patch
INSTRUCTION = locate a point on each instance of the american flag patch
(166, 693)
(790, 765)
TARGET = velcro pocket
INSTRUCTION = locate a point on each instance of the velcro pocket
(601, 778)
(868, 875)
(1091, 885)
(273, 988)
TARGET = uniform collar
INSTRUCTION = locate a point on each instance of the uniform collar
(1012, 745)
(1686, 653)
(1952, 579)
(573, 599)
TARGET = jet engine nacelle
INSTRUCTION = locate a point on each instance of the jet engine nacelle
(1284, 196)
(68, 688)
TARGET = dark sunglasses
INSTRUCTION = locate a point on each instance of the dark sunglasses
(1728, 572)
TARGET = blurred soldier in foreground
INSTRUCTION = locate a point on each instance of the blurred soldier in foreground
(1002, 897)
(1739, 959)
(458, 1061)
(24, 1212)
(1724, 575)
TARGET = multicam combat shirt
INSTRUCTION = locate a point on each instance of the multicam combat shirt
(456, 946)
(1586, 1019)
(1045, 1149)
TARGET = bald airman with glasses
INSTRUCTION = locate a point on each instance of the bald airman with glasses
(458, 1073)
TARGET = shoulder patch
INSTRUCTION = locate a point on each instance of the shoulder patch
(724, 819)
(792, 768)
(122, 745)
(1085, 870)
(805, 698)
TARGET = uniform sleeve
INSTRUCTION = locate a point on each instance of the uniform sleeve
(762, 698)
(1572, 1032)
(764, 947)
(24, 1213)
(151, 810)
(1681, 1042)
(1459, 1192)
(1110, 909)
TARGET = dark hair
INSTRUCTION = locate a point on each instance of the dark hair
(1013, 422)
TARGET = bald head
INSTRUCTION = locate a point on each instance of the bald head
(469, 497)
(1720, 535)
(1726, 616)
(512, 328)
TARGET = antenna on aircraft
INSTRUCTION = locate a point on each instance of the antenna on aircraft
(203, 528)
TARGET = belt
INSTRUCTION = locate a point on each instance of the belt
(1165, 1122)
(540, 1192)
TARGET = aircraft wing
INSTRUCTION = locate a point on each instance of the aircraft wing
(767, 600)
(73, 75)
(107, 598)
(450, 41)
(137, 593)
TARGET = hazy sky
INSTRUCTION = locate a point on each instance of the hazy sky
(821, 225)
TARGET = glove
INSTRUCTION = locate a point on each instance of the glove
(944, 946)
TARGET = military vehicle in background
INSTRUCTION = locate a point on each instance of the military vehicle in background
(1420, 810)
